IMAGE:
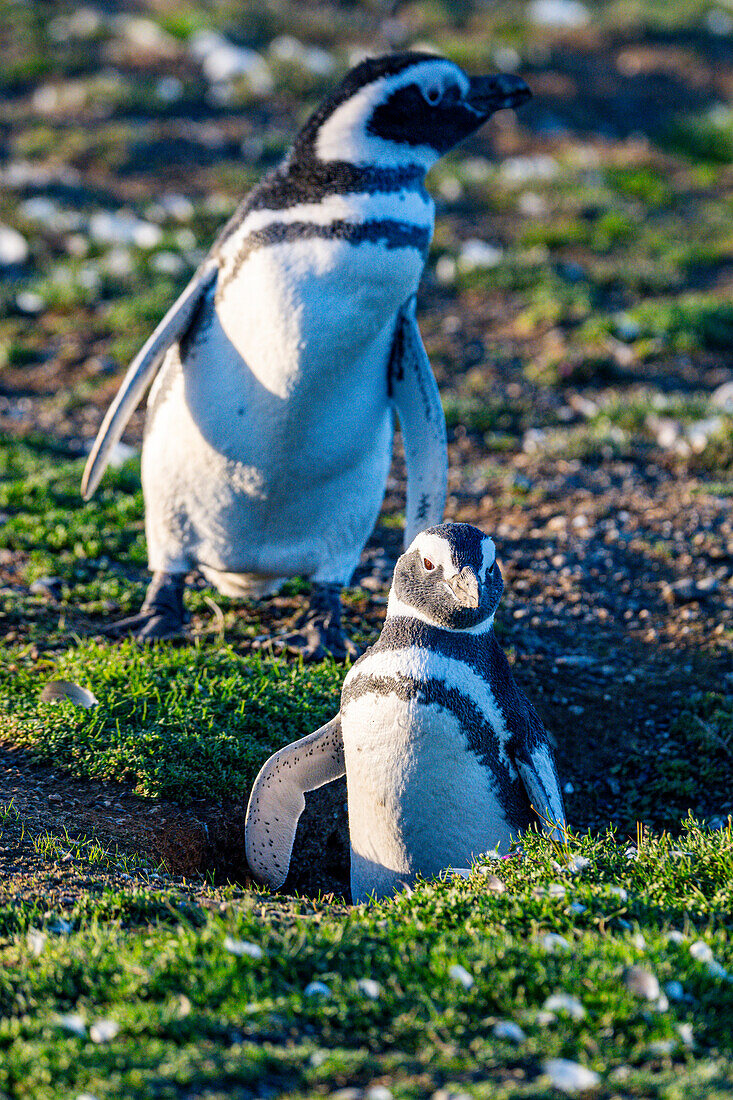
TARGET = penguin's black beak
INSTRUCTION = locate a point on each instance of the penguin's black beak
(487, 94)
(465, 587)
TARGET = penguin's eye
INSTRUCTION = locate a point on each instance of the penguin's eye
(428, 564)
(433, 95)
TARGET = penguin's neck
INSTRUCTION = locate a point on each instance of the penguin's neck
(397, 610)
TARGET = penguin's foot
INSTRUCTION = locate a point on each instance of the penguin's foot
(318, 632)
(162, 615)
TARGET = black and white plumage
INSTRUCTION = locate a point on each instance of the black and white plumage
(276, 374)
(444, 755)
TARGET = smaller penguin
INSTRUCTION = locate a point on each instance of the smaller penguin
(444, 756)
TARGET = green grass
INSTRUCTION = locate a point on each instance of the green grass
(193, 1017)
(176, 722)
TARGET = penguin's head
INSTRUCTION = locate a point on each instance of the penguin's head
(448, 577)
(404, 109)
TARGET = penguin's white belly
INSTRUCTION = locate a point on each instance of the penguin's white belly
(419, 798)
(269, 446)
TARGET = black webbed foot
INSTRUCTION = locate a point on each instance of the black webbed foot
(162, 615)
(318, 631)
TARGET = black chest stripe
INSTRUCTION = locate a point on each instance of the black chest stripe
(387, 232)
(480, 736)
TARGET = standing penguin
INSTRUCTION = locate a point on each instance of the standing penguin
(444, 756)
(269, 427)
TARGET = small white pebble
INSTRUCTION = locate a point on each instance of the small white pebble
(618, 892)
(674, 990)
(317, 989)
(493, 883)
(74, 1023)
(701, 951)
(620, 1073)
(551, 942)
(507, 1029)
(661, 1047)
(577, 907)
(459, 974)
(556, 890)
(36, 942)
(642, 983)
(543, 1018)
(686, 1034)
(242, 947)
(564, 1002)
(570, 1077)
(445, 270)
(578, 864)
(673, 936)
(378, 1092)
(715, 970)
(104, 1031)
(661, 1004)
(638, 941)
(86, 1096)
(370, 988)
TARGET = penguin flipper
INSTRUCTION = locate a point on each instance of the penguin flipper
(414, 394)
(537, 771)
(277, 801)
(141, 371)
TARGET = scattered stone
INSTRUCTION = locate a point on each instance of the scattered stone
(74, 1023)
(493, 883)
(317, 989)
(55, 691)
(30, 303)
(568, 789)
(570, 1077)
(674, 990)
(120, 454)
(508, 1029)
(660, 1048)
(313, 59)
(556, 890)
(50, 587)
(518, 170)
(687, 590)
(674, 936)
(578, 864)
(543, 1018)
(722, 397)
(459, 974)
(642, 983)
(701, 951)
(478, 254)
(370, 988)
(686, 1034)
(36, 942)
(222, 62)
(378, 1092)
(619, 892)
(13, 247)
(552, 942)
(445, 270)
(103, 1031)
(564, 1002)
(109, 227)
(577, 907)
(242, 948)
(169, 89)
